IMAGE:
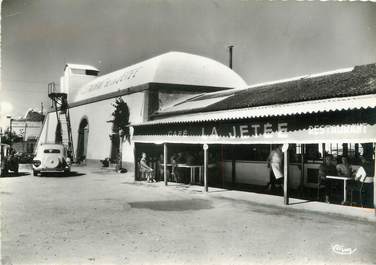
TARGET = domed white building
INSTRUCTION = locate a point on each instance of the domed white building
(146, 87)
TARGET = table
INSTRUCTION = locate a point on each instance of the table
(345, 179)
(192, 169)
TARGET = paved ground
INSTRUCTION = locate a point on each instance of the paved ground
(100, 217)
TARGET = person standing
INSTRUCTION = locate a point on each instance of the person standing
(275, 164)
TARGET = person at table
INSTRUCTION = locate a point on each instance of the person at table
(344, 169)
(327, 168)
(365, 170)
(146, 169)
(275, 164)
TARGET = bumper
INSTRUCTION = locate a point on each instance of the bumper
(50, 170)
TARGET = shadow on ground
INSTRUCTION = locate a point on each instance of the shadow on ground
(14, 175)
(61, 175)
(177, 205)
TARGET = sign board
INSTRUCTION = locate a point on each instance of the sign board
(334, 127)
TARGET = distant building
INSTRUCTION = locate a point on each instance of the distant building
(29, 128)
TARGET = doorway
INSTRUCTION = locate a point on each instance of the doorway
(83, 136)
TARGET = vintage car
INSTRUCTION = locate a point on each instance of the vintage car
(51, 158)
(8, 160)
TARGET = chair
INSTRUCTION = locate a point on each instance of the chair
(361, 189)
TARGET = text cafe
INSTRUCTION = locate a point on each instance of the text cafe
(233, 152)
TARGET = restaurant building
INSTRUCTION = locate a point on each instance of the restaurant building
(235, 130)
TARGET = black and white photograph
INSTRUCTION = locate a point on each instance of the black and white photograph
(221, 132)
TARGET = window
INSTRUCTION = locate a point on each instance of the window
(51, 151)
(84, 72)
(295, 153)
(352, 150)
(91, 72)
(30, 147)
(334, 149)
(313, 152)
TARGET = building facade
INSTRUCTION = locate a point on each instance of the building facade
(145, 87)
(28, 128)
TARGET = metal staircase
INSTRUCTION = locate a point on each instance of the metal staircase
(60, 103)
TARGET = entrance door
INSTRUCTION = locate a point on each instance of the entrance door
(115, 147)
(83, 136)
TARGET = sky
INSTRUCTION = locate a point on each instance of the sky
(272, 40)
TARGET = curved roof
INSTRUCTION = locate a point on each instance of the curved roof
(171, 68)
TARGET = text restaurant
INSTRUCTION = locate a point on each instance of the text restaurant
(311, 137)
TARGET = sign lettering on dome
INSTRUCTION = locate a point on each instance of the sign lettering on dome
(110, 81)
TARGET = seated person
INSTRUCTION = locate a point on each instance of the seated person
(327, 169)
(145, 168)
(344, 169)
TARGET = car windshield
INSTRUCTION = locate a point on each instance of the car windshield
(51, 151)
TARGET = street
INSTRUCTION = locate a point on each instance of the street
(101, 217)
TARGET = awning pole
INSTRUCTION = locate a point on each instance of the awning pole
(165, 164)
(285, 174)
(302, 147)
(136, 169)
(374, 178)
(206, 147)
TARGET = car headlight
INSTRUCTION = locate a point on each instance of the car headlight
(36, 163)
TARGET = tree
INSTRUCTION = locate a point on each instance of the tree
(120, 124)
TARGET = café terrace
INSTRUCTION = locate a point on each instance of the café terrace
(313, 116)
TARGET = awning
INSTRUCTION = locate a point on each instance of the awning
(356, 133)
(304, 107)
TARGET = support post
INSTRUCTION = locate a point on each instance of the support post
(11, 134)
(374, 177)
(165, 164)
(136, 171)
(233, 167)
(206, 147)
(285, 173)
(302, 147)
